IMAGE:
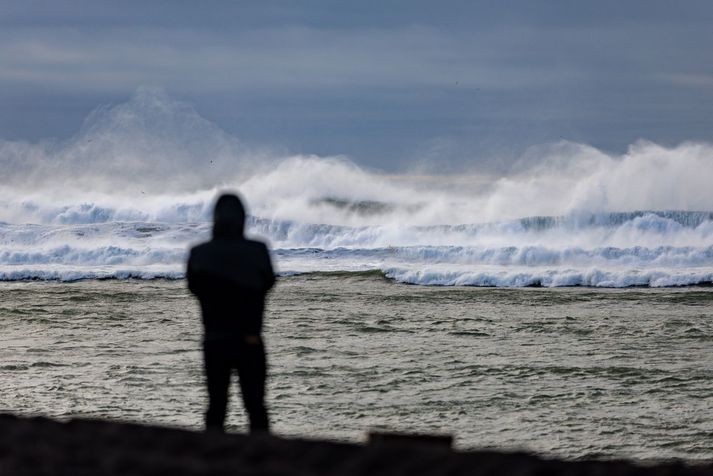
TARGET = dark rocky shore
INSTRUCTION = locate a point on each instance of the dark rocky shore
(40, 446)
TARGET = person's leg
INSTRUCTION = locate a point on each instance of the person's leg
(252, 372)
(217, 373)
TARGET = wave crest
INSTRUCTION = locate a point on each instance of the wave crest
(133, 189)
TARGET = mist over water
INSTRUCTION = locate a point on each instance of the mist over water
(128, 194)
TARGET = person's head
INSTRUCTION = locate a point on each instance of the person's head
(228, 217)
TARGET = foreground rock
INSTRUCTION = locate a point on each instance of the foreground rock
(39, 446)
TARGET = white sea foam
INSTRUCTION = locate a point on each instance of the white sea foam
(546, 251)
(551, 277)
(129, 194)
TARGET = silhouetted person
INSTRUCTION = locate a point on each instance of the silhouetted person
(230, 275)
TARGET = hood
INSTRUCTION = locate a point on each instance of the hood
(229, 217)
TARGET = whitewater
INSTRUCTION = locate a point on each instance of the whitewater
(129, 194)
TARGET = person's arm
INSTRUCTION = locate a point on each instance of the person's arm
(190, 275)
(270, 273)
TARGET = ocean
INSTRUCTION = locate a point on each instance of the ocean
(568, 372)
(562, 306)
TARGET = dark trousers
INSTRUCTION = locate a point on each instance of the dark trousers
(221, 357)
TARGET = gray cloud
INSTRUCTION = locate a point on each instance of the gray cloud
(488, 79)
(298, 57)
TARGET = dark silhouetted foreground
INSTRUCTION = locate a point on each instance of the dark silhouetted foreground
(39, 446)
(230, 275)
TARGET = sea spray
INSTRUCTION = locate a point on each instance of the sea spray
(129, 194)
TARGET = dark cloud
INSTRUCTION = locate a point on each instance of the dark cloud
(440, 82)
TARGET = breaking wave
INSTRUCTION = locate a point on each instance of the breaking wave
(129, 195)
(612, 250)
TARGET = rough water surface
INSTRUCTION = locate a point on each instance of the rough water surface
(568, 372)
(134, 188)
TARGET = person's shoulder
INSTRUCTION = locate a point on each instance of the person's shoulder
(257, 245)
(199, 249)
(229, 246)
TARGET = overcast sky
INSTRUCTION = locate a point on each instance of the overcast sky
(387, 83)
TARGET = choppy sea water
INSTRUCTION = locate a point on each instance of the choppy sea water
(569, 372)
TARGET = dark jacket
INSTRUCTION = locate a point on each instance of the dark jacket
(230, 275)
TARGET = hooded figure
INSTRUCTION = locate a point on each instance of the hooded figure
(230, 275)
